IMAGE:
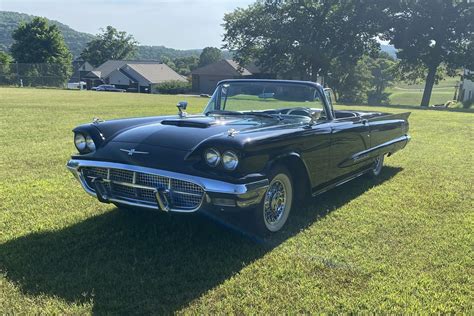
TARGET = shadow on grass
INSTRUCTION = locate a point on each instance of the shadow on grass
(141, 263)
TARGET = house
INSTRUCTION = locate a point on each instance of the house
(139, 76)
(80, 68)
(143, 77)
(205, 79)
(98, 75)
(466, 88)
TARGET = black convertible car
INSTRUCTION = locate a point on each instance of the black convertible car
(259, 145)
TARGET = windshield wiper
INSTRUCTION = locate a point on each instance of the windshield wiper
(260, 114)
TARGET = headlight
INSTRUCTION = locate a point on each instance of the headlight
(90, 143)
(230, 160)
(80, 142)
(212, 157)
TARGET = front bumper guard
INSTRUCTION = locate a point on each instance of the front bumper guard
(217, 194)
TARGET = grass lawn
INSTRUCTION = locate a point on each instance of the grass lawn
(401, 243)
(406, 94)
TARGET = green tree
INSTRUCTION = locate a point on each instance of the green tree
(168, 61)
(384, 73)
(431, 33)
(42, 45)
(303, 38)
(351, 82)
(365, 81)
(110, 44)
(5, 62)
(184, 65)
(209, 55)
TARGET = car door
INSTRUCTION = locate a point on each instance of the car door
(350, 136)
(314, 141)
(317, 142)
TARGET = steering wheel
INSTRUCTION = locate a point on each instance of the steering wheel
(300, 111)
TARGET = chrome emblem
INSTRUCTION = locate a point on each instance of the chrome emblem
(232, 132)
(132, 151)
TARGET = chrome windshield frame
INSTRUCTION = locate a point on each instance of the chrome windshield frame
(327, 107)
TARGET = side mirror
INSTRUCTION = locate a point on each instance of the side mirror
(182, 105)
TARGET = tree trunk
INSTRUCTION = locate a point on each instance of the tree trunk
(430, 80)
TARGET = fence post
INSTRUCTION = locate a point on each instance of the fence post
(18, 75)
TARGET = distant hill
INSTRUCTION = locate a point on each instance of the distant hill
(157, 52)
(76, 41)
(9, 21)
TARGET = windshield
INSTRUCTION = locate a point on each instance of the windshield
(264, 96)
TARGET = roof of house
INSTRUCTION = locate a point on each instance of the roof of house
(225, 67)
(93, 74)
(153, 73)
(253, 68)
(79, 66)
(110, 65)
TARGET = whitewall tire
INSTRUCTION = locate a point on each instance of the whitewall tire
(272, 213)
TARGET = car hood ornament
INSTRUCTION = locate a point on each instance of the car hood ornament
(232, 132)
(182, 105)
(97, 120)
(132, 151)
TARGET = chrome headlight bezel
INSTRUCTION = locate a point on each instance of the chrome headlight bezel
(230, 160)
(90, 143)
(84, 143)
(80, 142)
(212, 157)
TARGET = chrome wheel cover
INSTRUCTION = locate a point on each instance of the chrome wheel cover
(275, 203)
(378, 165)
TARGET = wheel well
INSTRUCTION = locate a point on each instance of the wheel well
(299, 175)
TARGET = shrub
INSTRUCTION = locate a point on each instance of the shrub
(174, 87)
(375, 98)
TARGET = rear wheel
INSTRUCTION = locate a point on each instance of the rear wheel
(272, 213)
(377, 166)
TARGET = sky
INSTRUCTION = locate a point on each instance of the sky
(180, 24)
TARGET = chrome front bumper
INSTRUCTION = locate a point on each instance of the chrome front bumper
(215, 193)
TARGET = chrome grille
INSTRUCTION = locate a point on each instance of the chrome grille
(122, 190)
(96, 172)
(141, 187)
(121, 175)
(184, 186)
(152, 180)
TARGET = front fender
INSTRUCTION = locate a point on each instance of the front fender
(298, 169)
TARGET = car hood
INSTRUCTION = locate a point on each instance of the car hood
(187, 133)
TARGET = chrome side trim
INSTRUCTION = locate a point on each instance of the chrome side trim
(366, 153)
(341, 182)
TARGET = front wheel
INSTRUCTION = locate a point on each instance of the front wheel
(272, 213)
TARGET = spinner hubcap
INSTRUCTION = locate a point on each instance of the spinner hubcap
(275, 202)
